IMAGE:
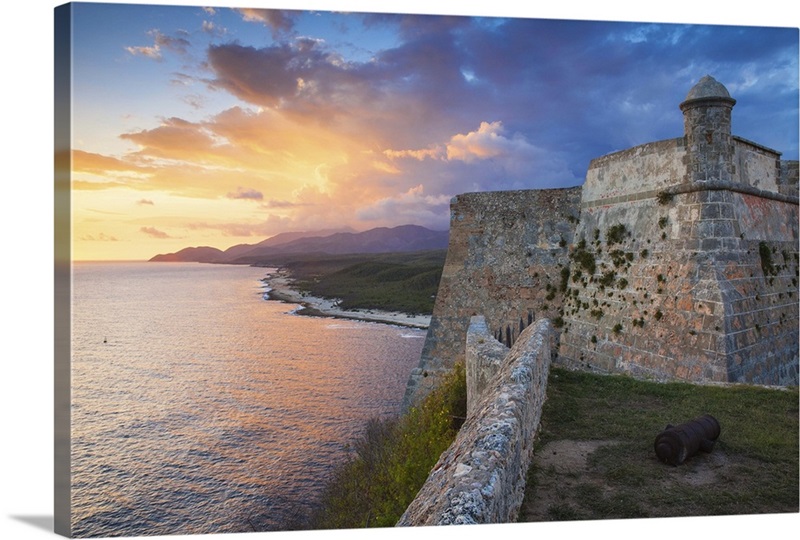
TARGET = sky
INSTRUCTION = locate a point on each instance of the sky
(218, 126)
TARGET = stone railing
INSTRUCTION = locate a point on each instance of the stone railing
(481, 477)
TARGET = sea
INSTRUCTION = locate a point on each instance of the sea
(200, 406)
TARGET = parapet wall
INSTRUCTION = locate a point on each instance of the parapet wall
(484, 356)
(636, 173)
(756, 165)
(481, 477)
(505, 261)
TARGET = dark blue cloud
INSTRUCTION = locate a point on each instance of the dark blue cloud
(576, 89)
(596, 87)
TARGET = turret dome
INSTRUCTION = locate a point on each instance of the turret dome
(708, 88)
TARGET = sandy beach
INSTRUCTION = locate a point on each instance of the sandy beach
(279, 287)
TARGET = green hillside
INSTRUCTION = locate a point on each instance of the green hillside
(405, 282)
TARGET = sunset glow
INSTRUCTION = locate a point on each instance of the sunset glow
(217, 126)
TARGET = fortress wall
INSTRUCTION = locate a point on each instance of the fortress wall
(760, 288)
(689, 298)
(790, 177)
(648, 307)
(481, 477)
(634, 291)
(639, 172)
(504, 261)
(756, 165)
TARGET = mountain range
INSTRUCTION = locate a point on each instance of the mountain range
(404, 238)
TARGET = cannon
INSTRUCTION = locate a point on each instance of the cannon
(676, 443)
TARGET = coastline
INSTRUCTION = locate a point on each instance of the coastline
(279, 286)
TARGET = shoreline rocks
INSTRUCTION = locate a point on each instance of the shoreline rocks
(279, 287)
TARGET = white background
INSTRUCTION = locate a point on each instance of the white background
(26, 211)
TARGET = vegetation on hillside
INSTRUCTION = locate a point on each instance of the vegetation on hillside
(392, 460)
(752, 469)
(405, 282)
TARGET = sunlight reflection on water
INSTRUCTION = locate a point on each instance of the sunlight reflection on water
(198, 407)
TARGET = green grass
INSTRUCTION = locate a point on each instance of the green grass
(752, 469)
(405, 282)
(391, 462)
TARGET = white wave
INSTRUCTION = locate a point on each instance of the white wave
(340, 326)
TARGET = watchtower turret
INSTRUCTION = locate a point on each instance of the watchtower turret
(707, 128)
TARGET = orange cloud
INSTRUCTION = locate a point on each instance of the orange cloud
(487, 142)
(98, 163)
(154, 233)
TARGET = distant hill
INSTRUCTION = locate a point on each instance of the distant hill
(191, 254)
(404, 238)
(266, 247)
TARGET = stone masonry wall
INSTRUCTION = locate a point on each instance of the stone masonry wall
(505, 261)
(697, 281)
(634, 174)
(481, 477)
(790, 178)
(756, 165)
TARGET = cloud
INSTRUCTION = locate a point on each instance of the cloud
(384, 101)
(281, 204)
(153, 52)
(493, 157)
(147, 202)
(177, 44)
(98, 163)
(175, 138)
(154, 233)
(412, 206)
(272, 225)
(268, 75)
(485, 143)
(102, 237)
(161, 41)
(246, 194)
(195, 101)
(210, 11)
(215, 157)
(435, 152)
(86, 185)
(277, 20)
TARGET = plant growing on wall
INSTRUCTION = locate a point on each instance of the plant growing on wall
(767, 265)
(664, 197)
(616, 234)
(584, 258)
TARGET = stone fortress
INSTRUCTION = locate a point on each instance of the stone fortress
(676, 260)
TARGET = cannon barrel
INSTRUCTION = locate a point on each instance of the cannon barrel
(676, 443)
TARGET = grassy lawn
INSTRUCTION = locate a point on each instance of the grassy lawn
(594, 458)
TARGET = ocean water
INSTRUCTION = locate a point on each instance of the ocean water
(200, 407)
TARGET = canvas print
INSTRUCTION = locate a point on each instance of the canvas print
(326, 270)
